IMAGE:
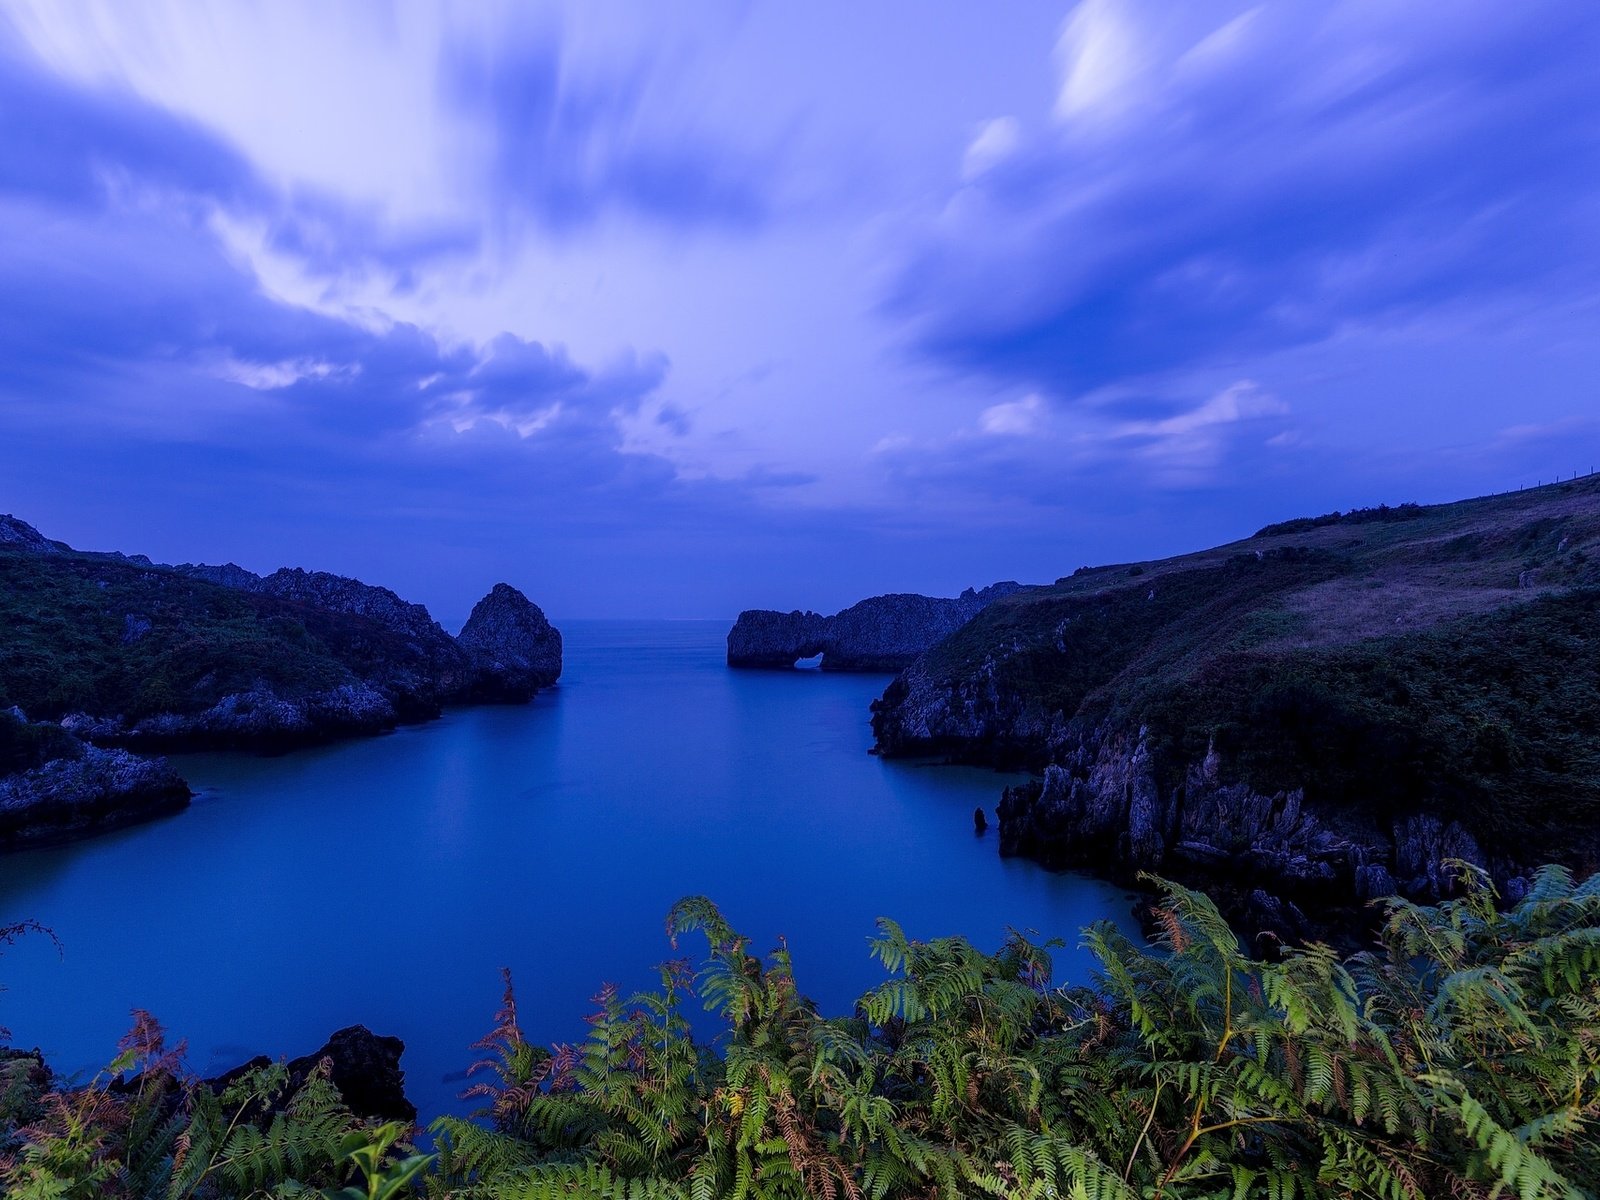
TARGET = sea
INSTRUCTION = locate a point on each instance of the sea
(387, 881)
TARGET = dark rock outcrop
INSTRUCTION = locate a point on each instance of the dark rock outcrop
(1269, 859)
(364, 1066)
(60, 789)
(341, 594)
(883, 633)
(70, 798)
(19, 535)
(226, 575)
(514, 649)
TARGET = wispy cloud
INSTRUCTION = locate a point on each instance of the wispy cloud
(1219, 180)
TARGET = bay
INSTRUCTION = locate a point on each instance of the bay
(386, 881)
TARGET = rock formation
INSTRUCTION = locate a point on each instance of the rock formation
(514, 649)
(19, 535)
(60, 789)
(1321, 715)
(364, 1066)
(883, 633)
(1271, 859)
(132, 656)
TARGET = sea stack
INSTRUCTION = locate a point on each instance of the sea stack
(515, 649)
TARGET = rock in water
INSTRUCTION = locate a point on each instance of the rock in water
(515, 650)
(61, 789)
(980, 821)
(882, 633)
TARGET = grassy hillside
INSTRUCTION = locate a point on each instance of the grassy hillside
(82, 633)
(1442, 658)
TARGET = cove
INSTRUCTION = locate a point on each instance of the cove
(386, 881)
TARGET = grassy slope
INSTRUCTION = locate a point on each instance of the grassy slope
(66, 643)
(1376, 662)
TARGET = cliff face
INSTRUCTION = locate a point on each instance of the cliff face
(1303, 720)
(1281, 865)
(883, 633)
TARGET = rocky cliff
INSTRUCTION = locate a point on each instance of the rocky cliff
(126, 654)
(1303, 720)
(883, 633)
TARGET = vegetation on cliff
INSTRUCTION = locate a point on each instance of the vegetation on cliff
(1364, 669)
(1460, 1057)
(108, 637)
(104, 650)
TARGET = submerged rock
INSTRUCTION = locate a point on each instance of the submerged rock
(883, 633)
(514, 649)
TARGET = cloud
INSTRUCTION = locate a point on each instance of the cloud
(142, 319)
(994, 143)
(1220, 181)
(1189, 446)
(1015, 418)
(566, 147)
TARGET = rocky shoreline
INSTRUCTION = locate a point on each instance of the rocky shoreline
(363, 1066)
(82, 795)
(1324, 714)
(1277, 864)
(110, 658)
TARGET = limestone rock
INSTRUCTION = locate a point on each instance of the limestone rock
(515, 650)
(86, 793)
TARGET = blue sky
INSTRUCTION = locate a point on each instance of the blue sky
(679, 309)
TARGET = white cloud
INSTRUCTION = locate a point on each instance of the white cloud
(1188, 446)
(1100, 55)
(996, 141)
(1015, 418)
(271, 376)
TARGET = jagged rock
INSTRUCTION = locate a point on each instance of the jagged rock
(515, 650)
(763, 638)
(883, 633)
(364, 1066)
(366, 1070)
(1267, 858)
(16, 534)
(980, 820)
(338, 593)
(94, 791)
(226, 575)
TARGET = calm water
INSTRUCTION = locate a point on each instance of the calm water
(386, 881)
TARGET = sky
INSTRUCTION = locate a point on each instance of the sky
(675, 310)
